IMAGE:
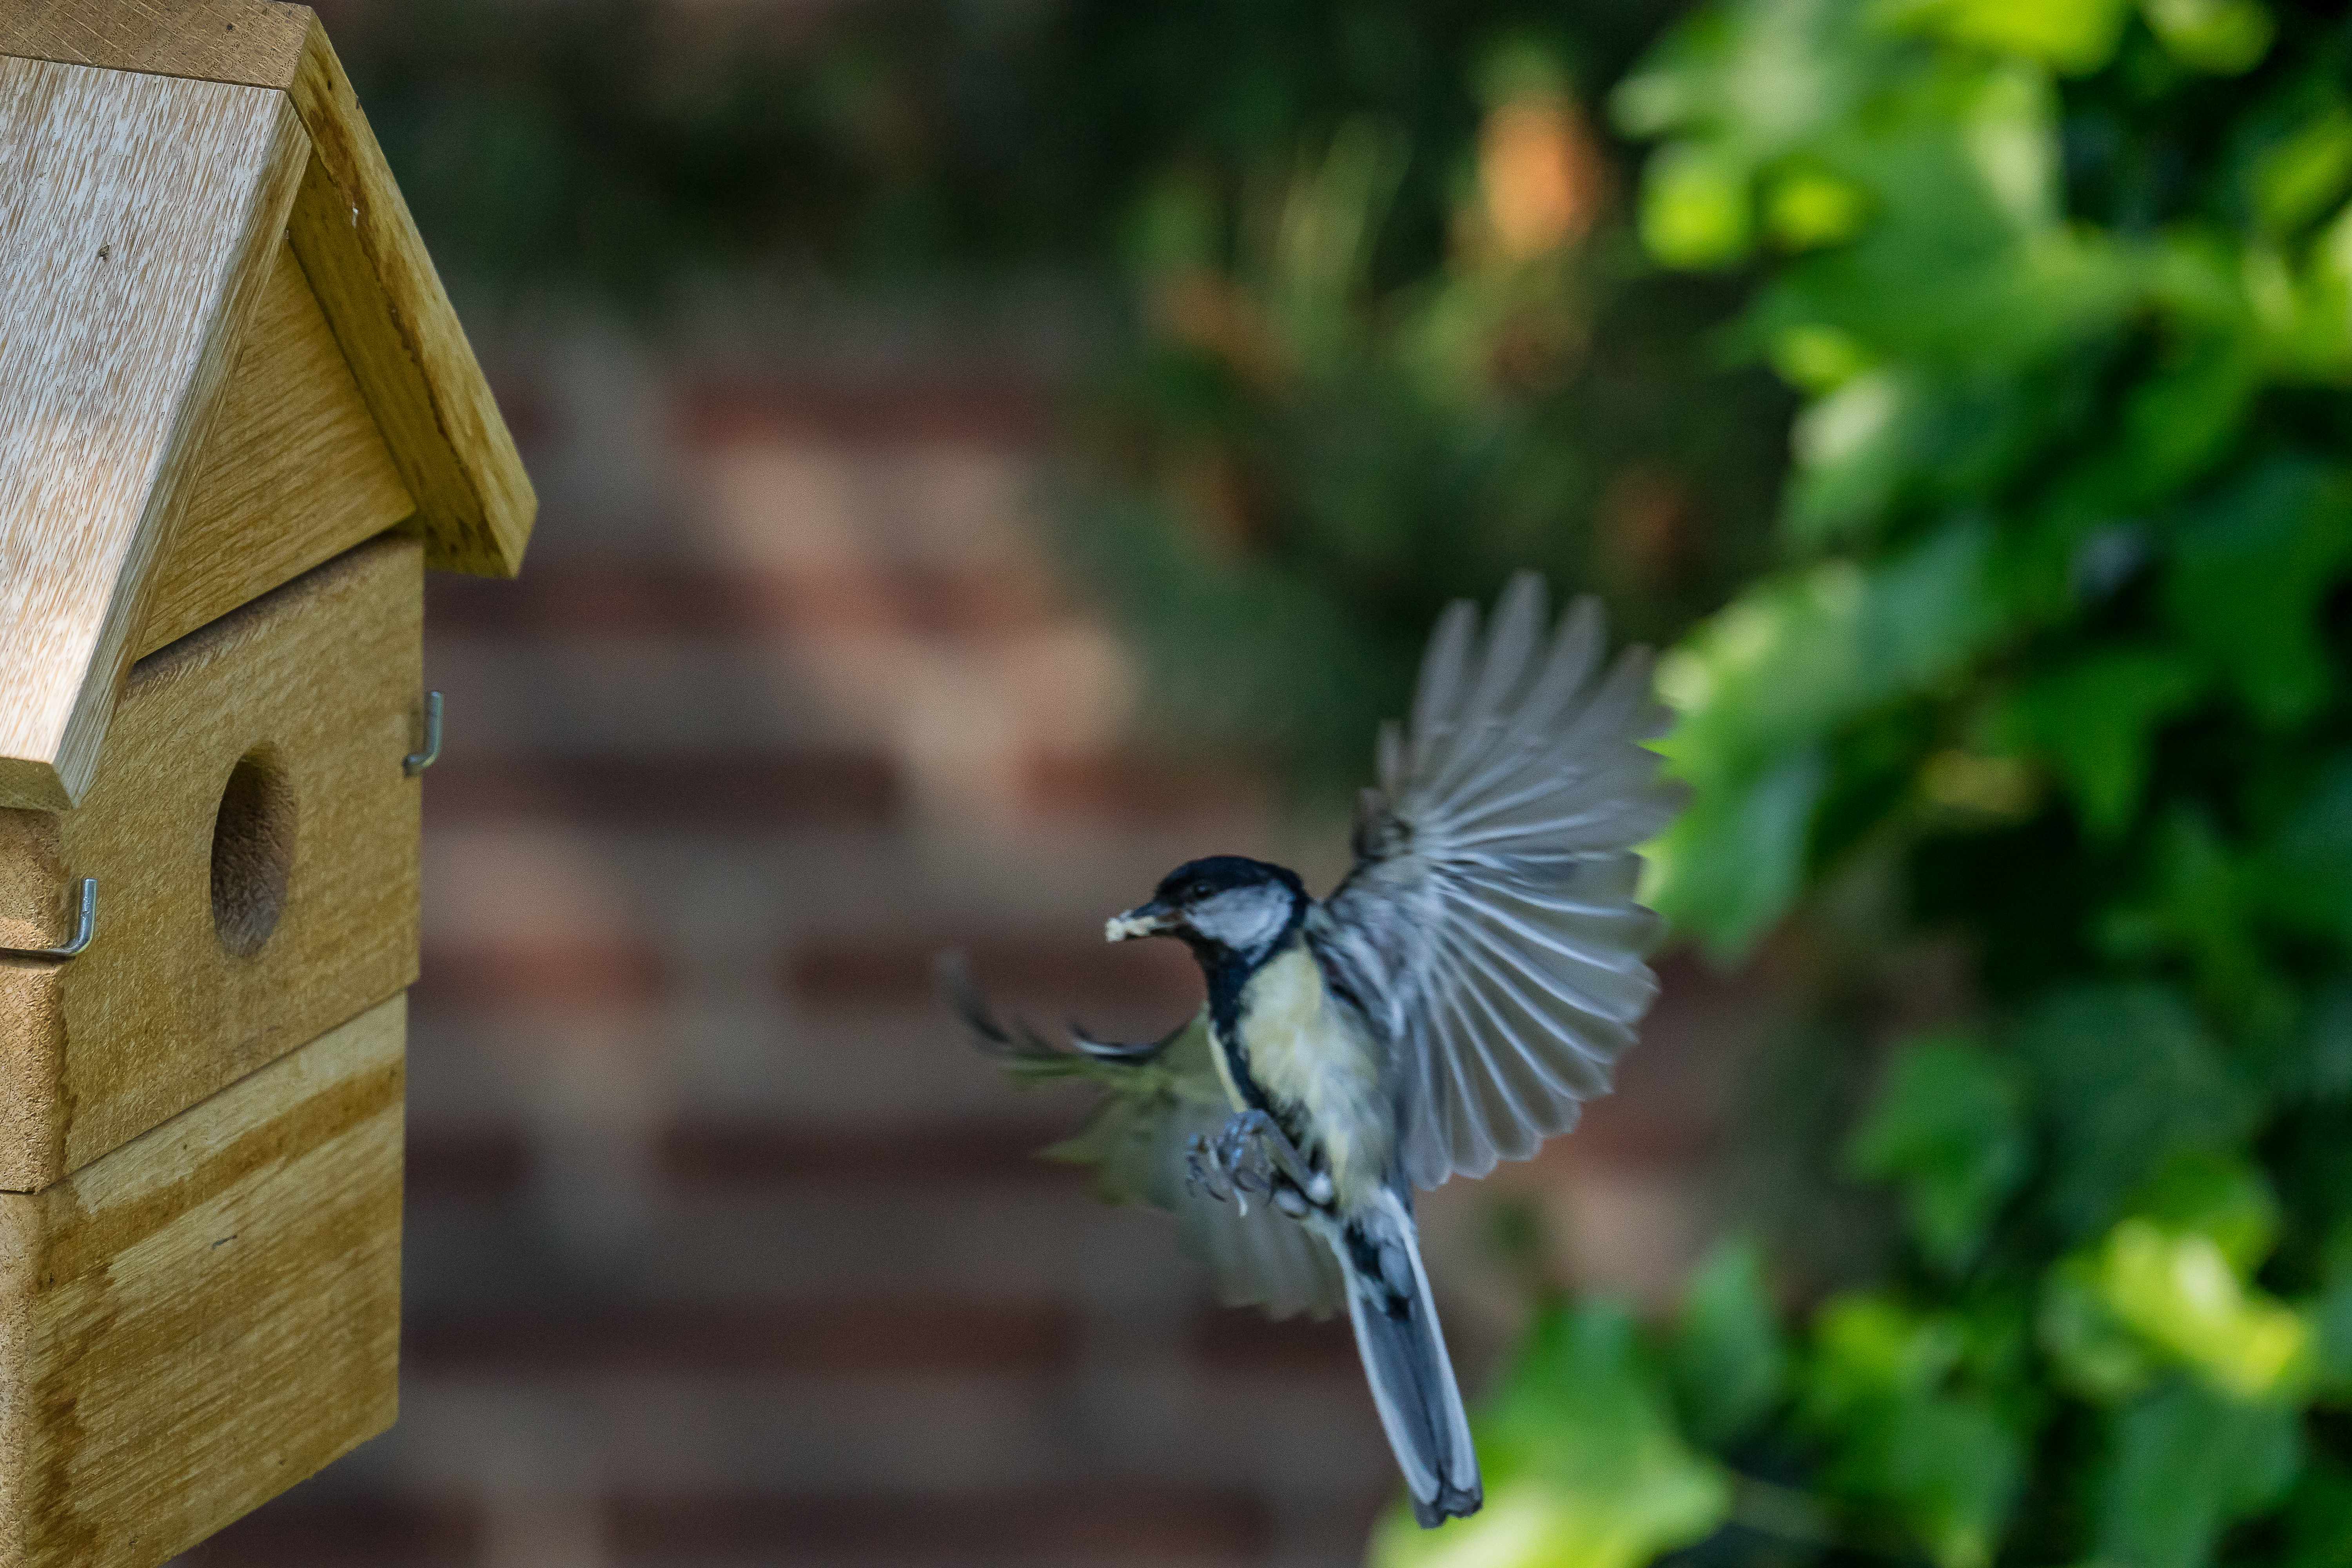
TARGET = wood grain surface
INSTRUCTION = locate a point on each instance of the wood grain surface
(142, 213)
(356, 239)
(316, 688)
(295, 471)
(358, 245)
(254, 42)
(207, 1315)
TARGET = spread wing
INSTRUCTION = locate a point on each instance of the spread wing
(1488, 929)
(1158, 1096)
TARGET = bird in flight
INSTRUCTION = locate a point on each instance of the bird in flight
(1449, 1005)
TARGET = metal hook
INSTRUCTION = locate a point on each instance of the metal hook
(417, 762)
(84, 928)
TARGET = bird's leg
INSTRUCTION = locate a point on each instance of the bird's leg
(1245, 1157)
(1203, 1173)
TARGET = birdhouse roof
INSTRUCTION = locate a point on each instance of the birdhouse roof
(190, 203)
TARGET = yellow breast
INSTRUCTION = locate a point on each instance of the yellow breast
(1305, 1050)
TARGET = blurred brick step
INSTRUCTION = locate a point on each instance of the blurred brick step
(709, 1153)
(299, 1531)
(842, 1339)
(1245, 1342)
(468, 1164)
(1115, 1519)
(718, 792)
(525, 968)
(1062, 969)
(1080, 1432)
(589, 599)
(894, 413)
(1131, 787)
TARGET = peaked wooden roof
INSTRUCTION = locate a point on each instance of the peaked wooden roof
(158, 159)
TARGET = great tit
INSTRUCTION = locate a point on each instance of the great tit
(1448, 1006)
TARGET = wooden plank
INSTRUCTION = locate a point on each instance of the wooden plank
(294, 473)
(255, 765)
(254, 42)
(358, 245)
(142, 215)
(207, 1315)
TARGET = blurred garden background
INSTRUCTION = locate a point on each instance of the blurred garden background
(993, 451)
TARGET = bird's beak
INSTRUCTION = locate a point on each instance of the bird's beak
(1144, 919)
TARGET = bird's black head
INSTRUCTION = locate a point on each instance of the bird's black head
(1223, 907)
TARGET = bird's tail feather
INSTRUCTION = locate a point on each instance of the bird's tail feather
(1405, 1361)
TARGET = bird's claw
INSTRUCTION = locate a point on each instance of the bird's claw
(1232, 1165)
(1245, 1158)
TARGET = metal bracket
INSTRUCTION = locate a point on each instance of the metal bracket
(417, 762)
(84, 928)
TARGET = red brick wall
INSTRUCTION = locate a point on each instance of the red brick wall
(722, 1249)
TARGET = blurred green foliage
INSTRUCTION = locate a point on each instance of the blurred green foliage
(1382, 364)
(2059, 649)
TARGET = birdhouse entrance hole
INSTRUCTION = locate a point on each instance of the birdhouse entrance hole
(253, 851)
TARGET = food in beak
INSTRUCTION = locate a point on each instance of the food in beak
(1147, 920)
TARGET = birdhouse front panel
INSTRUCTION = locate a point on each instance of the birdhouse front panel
(294, 472)
(254, 838)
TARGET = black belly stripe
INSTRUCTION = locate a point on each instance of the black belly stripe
(1226, 983)
(1225, 987)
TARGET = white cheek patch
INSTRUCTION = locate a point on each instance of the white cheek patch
(1242, 918)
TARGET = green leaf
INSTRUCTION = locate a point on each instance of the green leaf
(1761, 76)
(1584, 1467)
(1869, 1350)
(2297, 180)
(2220, 37)
(1810, 206)
(2185, 1464)
(1733, 862)
(2073, 35)
(2096, 1354)
(1697, 210)
(2248, 573)
(1939, 1463)
(2331, 1317)
(1818, 359)
(2093, 719)
(2319, 1517)
(1949, 1126)
(1759, 688)
(2202, 907)
(1729, 1359)
(2323, 1067)
(1853, 448)
(2185, 415)
(2178, 1291)
(2221, 1197)
(2304, 876)
(2126, 1077)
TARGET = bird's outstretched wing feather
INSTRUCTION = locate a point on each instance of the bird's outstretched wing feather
(1158, 1096)
(1489, 929)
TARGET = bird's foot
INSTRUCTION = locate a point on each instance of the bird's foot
(1230, 1166)
(1246, 1157)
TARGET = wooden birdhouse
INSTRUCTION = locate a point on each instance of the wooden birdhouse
(238, 420)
